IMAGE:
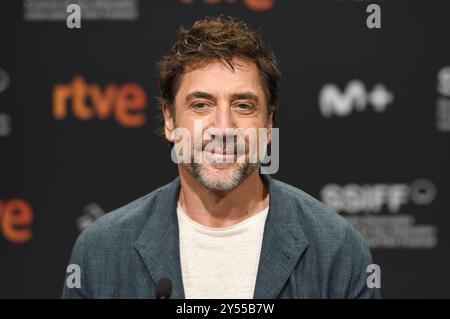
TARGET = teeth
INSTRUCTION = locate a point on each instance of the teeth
(221, 153)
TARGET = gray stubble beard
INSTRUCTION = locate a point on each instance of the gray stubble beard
(244, 170)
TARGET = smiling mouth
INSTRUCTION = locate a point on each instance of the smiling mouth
(220, 153)
(219, 158)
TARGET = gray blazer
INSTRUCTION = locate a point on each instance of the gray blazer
(308, 250)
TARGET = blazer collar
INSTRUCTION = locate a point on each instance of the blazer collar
(283, 241)
(158, 244)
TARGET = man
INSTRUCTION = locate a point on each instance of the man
(221, 229)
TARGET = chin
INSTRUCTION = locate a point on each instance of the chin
(221, 177)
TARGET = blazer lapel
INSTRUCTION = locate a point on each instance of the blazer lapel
(158, 244)
(283, 244)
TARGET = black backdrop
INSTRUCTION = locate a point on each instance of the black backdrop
(364, 125)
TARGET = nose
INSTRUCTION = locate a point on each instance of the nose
(223, 120)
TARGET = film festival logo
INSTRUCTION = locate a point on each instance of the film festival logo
(16, 218)
(355, 98)
(126, 103)
(237, 145)
(379, 211)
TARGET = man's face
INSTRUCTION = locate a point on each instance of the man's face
(223, 100)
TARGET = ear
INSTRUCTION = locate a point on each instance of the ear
(168, 122)
(269, 127)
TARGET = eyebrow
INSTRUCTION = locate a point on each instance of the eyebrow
(235, 96)
(201, 95)
(245, 96)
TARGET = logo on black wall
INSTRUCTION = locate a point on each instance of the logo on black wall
(385, 214)
(16, 217)
(255, 5)
(443, 101)
(5, 119)
(125, 103)
(354, 98)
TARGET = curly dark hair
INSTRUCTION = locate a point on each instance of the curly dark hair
(217, 38)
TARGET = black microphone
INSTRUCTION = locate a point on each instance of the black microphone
(163, 288)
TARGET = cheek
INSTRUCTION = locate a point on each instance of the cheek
(255, 122)
(186, 117)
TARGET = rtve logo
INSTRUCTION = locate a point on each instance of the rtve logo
(16, 216)
(126, 103)
(255, 5)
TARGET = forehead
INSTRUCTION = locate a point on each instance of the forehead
(217, 78)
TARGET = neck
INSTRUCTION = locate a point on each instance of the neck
(217, 209)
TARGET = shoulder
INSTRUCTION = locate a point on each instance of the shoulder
(336, 252)
(320, 223)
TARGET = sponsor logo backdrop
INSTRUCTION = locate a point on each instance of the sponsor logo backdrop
(364, 124)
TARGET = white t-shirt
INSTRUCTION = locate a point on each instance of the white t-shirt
(220, 263)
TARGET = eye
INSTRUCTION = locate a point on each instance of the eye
(200, 106)
(244, 107)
